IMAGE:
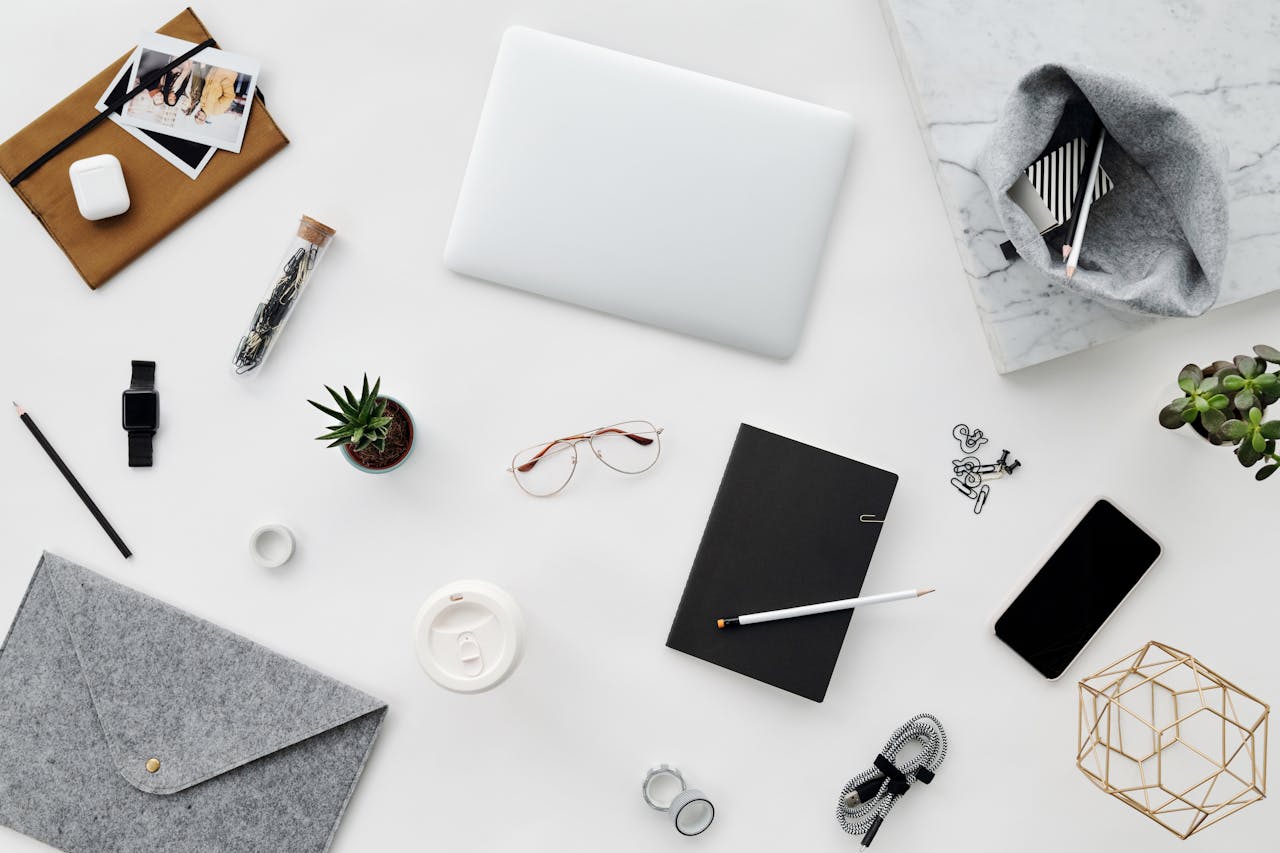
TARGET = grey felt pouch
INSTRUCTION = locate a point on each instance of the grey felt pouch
(1157, 242)
(129, 725)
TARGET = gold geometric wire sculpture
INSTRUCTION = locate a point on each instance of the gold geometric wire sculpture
(1166, 735)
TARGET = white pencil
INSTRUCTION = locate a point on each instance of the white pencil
(824, 607)
(1078, 239)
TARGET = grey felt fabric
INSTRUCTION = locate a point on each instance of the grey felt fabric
(257, 752)
(1157, 243)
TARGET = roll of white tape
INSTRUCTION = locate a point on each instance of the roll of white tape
(691, 812)
(664, 789)
(271, 545)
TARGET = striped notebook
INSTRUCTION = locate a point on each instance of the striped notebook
(1047, 190)
(1056, 175)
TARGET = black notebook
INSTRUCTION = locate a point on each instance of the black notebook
(784, 531)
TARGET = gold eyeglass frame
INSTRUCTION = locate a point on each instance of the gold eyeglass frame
(573, 441)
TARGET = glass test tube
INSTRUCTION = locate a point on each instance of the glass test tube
(292, 276)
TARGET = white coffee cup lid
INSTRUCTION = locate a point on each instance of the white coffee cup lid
(469, 636)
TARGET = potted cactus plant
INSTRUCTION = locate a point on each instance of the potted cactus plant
(374, 431)
(1226, 403)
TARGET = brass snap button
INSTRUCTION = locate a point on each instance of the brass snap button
(153, 764)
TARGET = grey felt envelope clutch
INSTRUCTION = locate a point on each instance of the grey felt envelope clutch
(129, 725)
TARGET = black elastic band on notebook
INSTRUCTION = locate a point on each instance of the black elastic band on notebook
(112, 106)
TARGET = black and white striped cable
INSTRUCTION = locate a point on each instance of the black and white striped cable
(866, 800)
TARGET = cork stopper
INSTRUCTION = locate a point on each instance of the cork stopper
(314, 231)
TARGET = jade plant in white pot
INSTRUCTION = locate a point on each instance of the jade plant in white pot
(1226, 404)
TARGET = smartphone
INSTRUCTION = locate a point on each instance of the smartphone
(1089, 573)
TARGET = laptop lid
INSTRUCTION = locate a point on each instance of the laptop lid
(649, 192)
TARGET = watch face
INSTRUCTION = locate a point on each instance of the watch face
(141, 410)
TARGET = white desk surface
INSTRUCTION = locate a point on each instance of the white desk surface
(381, 102)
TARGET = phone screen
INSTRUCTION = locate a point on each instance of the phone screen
(1081, 583)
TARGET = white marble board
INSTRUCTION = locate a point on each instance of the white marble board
(1218, 59)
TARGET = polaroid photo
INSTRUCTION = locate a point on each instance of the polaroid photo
(205, 100)
(190, 158)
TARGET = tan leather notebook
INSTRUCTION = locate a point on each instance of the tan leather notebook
(162, 198)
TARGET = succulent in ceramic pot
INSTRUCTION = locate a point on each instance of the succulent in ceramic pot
(374, 431)
(1226, 404)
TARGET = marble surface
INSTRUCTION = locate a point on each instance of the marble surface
(1218, 60)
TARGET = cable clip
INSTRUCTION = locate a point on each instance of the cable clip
(898, 783)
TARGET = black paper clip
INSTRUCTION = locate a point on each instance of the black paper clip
(971, 473)
(970, 442)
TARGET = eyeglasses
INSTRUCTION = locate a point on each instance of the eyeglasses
(631, 447)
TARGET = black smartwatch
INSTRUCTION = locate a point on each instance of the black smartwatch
(141, 413)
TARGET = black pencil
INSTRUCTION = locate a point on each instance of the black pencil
(71, 478)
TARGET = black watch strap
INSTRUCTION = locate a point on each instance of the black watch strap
(140, 449)
(144, 376)
(143, 379)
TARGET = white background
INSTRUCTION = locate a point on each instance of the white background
(381, 102)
